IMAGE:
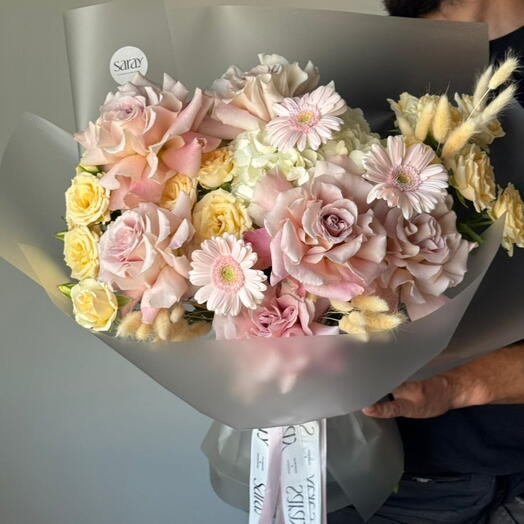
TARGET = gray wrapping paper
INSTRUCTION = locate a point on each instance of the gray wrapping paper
(370, 58)
(270, 382)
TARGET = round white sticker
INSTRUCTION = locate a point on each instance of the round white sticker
(126, 62)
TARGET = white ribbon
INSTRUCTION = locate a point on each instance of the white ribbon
(264, 488)
(288, 475)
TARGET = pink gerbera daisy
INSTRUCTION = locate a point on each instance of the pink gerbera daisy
(406, 178)
(222, 269)
(308, 120)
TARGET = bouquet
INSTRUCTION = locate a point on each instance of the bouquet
(304, 264)
(265, 206)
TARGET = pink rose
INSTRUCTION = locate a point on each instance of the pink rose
(143, 135)
(137, 254)
(323, 233)
(426, 255)
(244, 100)
(287, 311)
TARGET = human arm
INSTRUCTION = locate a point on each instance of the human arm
(495, 378)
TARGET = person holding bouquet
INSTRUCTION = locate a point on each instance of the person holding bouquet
(463, 430)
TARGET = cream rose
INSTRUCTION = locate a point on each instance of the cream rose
(473, 176)
(81, 252)
(95, 306)
(220, 212)
(176, 185)
(244, 100)
(510, 202)
(217, 167)
(411, 109)
(87, 202)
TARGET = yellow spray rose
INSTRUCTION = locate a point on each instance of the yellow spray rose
(81, 252)
(95, 306)
(473, 176)
(87, 202)
(176, 185)
(510, 202)
(220, 212)
(217, 167)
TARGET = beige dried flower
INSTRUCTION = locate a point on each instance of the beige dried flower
(442, 121)
(459, 137)
(503, 73)
(366, 314)
(129, 324)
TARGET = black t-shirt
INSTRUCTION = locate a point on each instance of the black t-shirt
(483, 439)
(498, 49)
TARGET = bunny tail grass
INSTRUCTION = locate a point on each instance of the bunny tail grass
(162, 325)
(378, 322)
(498, 104)
(459, 137)
(481, 89)
(504, 72)
(129, 324)
(144, 332)
(442, 120)
(370, 303)
(424, 121)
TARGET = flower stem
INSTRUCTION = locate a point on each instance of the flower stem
(468, 231)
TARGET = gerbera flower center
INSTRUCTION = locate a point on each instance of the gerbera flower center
(306, 119)
(405, 178)
(228, 275)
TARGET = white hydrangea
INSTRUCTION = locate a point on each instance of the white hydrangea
(354, 139)
(253, 156)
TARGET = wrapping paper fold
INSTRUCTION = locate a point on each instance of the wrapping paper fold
(275, 382)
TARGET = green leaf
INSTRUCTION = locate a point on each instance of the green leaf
(123, 300)
(89, 169)
(61, 235)
(226, 187)
(202, 192)
(65, 289)
(481, 223)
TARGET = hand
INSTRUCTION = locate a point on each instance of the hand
(495, 378)
(423, 399)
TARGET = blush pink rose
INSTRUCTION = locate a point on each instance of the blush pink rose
(324, 234)
(286, 311)
(261, 243)
(138, 254)
(244, 100)
(426, 256)
(143, 135)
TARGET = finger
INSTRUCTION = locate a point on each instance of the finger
(392, 409)
(407, 388)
